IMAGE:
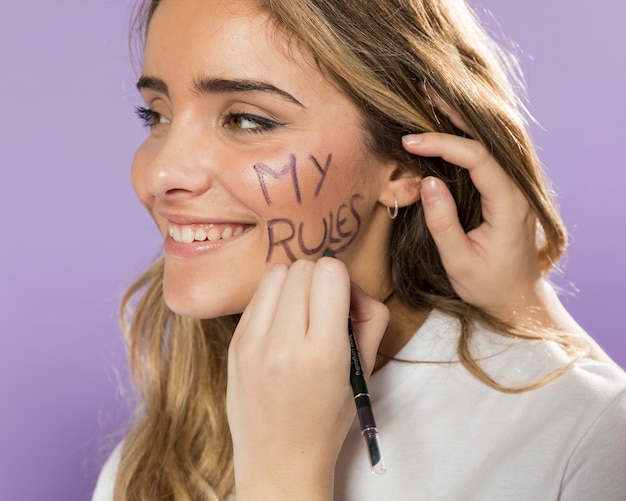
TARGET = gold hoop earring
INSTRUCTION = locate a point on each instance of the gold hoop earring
(395, 209)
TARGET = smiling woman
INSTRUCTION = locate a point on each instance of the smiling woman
(387, 132)
(220, 105)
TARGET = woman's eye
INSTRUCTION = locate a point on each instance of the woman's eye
(149, 117)
(249, 123)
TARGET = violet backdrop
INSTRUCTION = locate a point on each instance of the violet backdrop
(74, 236)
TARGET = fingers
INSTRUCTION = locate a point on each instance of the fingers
(306, 298)
(292, 310)
(487, 175)
(495, 264)
(288, 369)
(329, 300)
(501, 200)
(310, 300)
(262, 306)
(442, 220)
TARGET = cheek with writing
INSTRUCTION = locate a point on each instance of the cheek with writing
(336, 231)
(289, 173)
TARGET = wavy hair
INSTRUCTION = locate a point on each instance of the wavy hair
(381, 54)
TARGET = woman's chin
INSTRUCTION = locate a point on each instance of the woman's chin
(189, 305)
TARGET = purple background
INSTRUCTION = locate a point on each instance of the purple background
(73, 235)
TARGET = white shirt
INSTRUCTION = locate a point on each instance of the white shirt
(446, 436)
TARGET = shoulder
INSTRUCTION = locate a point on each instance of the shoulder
(599, 388)
(106, 479)
(518, 363)
(583, 406)
(596, 469)
(577, 417)
(598, 391)
(604, 381)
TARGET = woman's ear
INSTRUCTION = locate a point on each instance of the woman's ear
(402, 187)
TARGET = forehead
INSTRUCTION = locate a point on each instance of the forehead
(222, 35)
(201, 40)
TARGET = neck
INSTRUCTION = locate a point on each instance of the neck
(403, 324)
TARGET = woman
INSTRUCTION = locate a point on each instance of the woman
(281, 129)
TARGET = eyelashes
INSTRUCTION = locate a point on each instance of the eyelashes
(149, 117)
(247, 122)
(238, 122)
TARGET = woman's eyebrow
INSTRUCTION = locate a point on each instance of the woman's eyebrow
(151, 83)
(207, 85)
(222, 85)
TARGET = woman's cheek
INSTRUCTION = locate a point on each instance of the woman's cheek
(311, 205)
(310, 235)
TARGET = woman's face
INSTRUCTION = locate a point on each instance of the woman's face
(253, 158)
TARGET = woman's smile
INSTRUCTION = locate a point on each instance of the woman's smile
(190, 233)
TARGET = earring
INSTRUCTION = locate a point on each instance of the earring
(395, 209)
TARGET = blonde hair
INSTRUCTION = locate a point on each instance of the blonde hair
(381, 53)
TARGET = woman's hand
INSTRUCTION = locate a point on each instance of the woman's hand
(496, 265)
(289, 400)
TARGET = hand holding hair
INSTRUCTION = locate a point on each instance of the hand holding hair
(495, 266)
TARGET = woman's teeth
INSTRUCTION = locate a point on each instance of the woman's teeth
(188, 234)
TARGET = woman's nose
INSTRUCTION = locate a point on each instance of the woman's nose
(179, 167)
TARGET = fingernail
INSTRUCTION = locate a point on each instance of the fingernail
(412, 139)
(275, 267)
(431, 192)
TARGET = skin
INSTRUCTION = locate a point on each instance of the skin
(292, 340)
(289, 356)
(201, 165)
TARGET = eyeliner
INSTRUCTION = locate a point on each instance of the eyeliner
(369, 430)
